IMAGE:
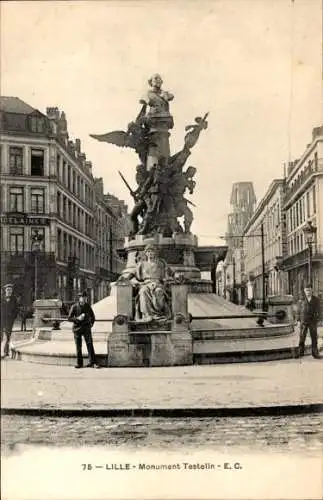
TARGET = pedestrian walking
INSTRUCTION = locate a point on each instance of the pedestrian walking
(308, 315)
(82, 316)
(9, 312)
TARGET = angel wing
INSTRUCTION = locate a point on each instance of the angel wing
(118, 138)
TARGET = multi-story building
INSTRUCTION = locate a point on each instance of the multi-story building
(303, 203)
(120, 227)
(48, 195)
(110, 232)
(242, 204)
(263, 244)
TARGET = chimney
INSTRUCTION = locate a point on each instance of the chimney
(82, 158)
(53, 117)
(63, 123)
(52, 113)
(78, 145)
(99, 186)
(317, 131)
(88, 165)
(71, 147)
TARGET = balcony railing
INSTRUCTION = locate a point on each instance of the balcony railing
(308, 171)
(301, 258)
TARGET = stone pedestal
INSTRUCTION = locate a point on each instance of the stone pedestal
(159, 124)
(280, 309)
(177, 251)
(45, 309)
(150, 344)
(120, 351)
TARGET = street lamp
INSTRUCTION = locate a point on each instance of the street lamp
(234, 292)
(224, 268)
(309, 232)
(36, 241)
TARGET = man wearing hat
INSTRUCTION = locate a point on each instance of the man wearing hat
(9, 311)
(308, 316)
(82, 317)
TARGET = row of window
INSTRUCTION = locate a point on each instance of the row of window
(68, 245)
(75, 216)
(17, 200)
(65, 172)
(69, 177)
(304, 208)
(296, 243)
(17, 238)
(272, 221)
(21, 122)
(16, 162)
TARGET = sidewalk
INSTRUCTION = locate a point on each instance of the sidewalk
(245, 385)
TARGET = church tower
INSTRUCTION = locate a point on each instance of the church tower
(242, 206)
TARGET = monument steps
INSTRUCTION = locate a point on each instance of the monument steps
(227, 339)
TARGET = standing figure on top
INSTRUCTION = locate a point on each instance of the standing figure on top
(156, 98)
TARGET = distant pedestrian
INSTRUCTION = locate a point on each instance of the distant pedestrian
(9, 312)
(23, 310)
(308, 314)
(82, 317)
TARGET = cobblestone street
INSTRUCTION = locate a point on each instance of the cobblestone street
(302, 434)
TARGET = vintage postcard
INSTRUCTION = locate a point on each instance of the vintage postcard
(161, 219)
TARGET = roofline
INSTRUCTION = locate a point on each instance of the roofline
(304, 156)
(263, 202)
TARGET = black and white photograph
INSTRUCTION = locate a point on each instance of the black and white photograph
(161, 218)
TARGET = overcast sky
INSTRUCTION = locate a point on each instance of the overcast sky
(257, 72)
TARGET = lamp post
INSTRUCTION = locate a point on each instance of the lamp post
(263, 268)
(234, 294)
(224, 280)
(309, 232)
(213, 274)
(35, 248)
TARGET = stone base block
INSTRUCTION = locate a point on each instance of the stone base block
(162, 350)
(280, 309)
(182, 348)
(44, 333)
(122, 353)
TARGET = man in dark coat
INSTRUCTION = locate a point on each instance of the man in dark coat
(9, 312)
(308, 315)
(82, 317)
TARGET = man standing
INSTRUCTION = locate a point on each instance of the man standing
(82, 317)
(9, 311)
(307, 317)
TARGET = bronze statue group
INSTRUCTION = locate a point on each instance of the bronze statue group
(161, 179)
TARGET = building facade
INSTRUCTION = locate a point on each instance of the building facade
(47, 196)
(303, 203)
(232, 272)
(111, 227)
(264, 244)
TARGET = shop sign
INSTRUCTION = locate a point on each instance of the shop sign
(20, 220)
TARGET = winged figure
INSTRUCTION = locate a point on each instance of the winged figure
(193, 131)
(136, 137)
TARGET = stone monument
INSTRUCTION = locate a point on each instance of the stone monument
(152, 324)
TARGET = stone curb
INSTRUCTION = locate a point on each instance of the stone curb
(168, 412)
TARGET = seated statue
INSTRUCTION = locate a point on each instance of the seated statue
(150, 277)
